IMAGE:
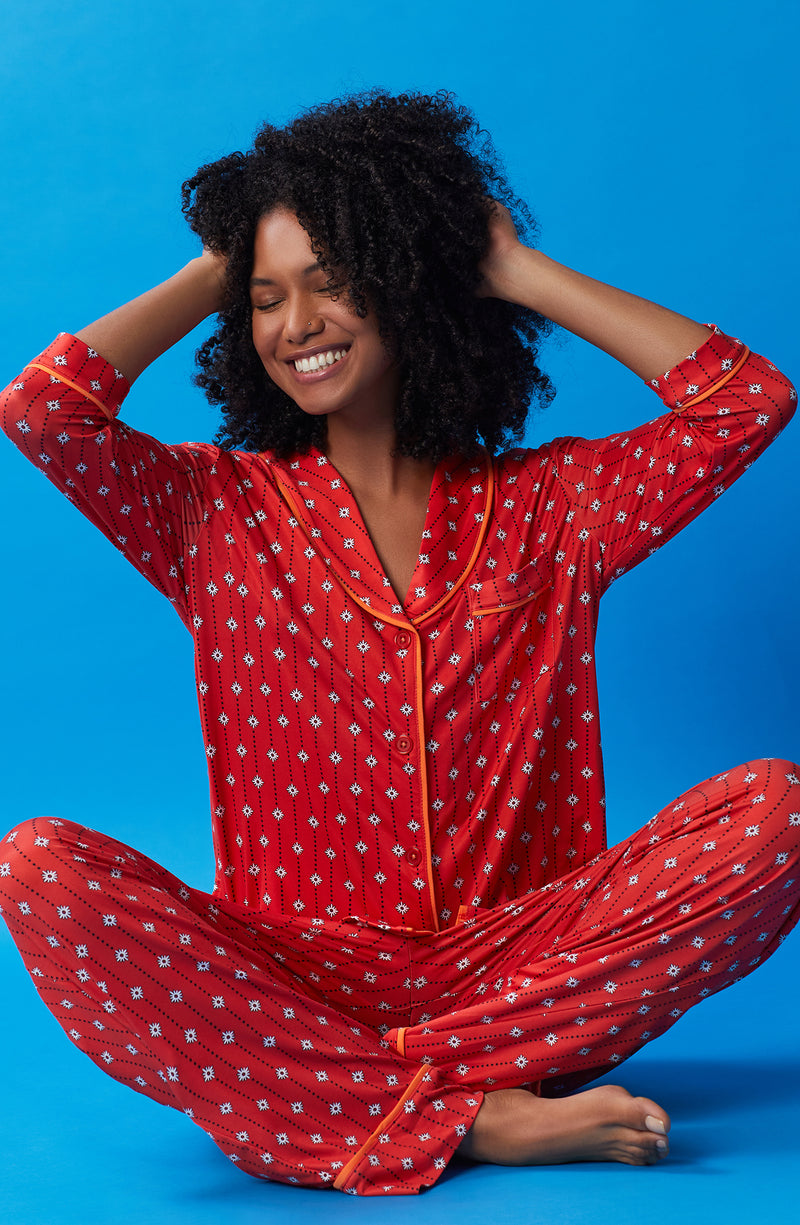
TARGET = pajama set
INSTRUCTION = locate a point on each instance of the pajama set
(414, 903)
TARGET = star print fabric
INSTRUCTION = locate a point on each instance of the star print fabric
(186, 999)
(419, 768)
(266, 1030)
(386, 760)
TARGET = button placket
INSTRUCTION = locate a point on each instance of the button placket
(405, 745)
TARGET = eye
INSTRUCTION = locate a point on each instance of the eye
(266, 306)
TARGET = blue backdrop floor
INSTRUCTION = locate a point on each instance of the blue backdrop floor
(80, 1150)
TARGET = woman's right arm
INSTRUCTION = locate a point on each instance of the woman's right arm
(134, 335)
(61, 412)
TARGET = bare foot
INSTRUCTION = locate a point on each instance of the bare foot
(513, 1127)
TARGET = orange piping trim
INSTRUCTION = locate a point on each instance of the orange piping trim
(716, 386)
(461, 915)
(528, 599)
(481, 537)
(344, 1174)
(424, 787)
(75, 387)
(448, 596)
(367, 607)
(401, 1040)
(420, 723)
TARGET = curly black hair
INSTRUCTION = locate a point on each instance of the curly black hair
(397, 192)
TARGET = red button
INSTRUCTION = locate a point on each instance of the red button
(404, 744)
(413, 857)
(402, 638)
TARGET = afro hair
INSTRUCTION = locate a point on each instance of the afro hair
(397, 192)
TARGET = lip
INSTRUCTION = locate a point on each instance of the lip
(295, 357)
(316, 376)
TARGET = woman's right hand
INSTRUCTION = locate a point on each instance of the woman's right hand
(215, 263)
(136, 333)
(502, 252)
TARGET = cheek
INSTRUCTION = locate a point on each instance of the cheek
(263, 341)
(382, 358)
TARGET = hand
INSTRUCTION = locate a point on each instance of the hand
(136, 333)
(215, 266)
(504, 247)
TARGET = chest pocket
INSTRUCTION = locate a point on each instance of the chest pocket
(512, 632)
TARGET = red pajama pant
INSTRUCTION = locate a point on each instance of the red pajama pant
(355, 1055)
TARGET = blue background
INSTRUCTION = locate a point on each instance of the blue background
(658, 146)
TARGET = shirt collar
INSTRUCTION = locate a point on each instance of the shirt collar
(455, 525)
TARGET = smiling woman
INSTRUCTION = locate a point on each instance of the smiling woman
(394, 197)
(418, 942)
(311, 342)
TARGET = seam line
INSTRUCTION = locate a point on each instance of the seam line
(86, 395)
(484, 528)
(344, 1174)
(423, 783)
(528, 599)
(716, 386)
(373, 612)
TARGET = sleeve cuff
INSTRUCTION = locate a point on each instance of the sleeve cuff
(70, 361)
(701, 373)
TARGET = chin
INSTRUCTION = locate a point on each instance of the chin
(317, 410)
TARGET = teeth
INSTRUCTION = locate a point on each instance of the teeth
(320, 361)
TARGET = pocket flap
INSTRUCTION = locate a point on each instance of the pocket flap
(497, 593)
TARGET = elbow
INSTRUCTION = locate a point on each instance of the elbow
(784, 395)
(14, 408)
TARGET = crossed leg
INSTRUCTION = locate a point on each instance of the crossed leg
(187, 999)
(204, 1007)
(608, 958)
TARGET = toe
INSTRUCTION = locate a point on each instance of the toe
(655, 1118)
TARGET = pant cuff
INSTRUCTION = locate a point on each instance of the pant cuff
(413, 1143)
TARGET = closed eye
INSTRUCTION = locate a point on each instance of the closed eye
(333, 290)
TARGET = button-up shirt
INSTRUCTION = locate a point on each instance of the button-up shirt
(399, 762)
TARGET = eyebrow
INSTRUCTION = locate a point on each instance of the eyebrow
(260, 280)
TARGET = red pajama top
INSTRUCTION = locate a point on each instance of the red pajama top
(402, 763)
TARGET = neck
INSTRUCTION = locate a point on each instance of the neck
(365, 458)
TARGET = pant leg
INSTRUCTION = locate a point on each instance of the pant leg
(175, 994)
(571, 980)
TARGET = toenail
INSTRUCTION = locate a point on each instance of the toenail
(654, 1124)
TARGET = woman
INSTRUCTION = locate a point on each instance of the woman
(417, 942)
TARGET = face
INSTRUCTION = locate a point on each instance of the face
(312, 344)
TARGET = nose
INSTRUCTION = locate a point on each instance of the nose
(303, 320)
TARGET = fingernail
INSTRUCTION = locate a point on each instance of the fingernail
(654, 1124)
(662, 1144)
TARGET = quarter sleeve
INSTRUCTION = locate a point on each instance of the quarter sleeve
(145, 496)
(633, 491)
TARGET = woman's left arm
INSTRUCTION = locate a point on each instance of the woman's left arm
(644, 336)
(632, 491)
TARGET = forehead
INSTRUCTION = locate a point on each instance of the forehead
(282, 246)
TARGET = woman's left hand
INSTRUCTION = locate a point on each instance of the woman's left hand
(504, 247)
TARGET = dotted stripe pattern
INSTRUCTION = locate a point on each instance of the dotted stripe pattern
(383, 767)
(274, 1036)
(387, 759)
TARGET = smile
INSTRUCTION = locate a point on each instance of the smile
(323, 364)
(319, 361)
